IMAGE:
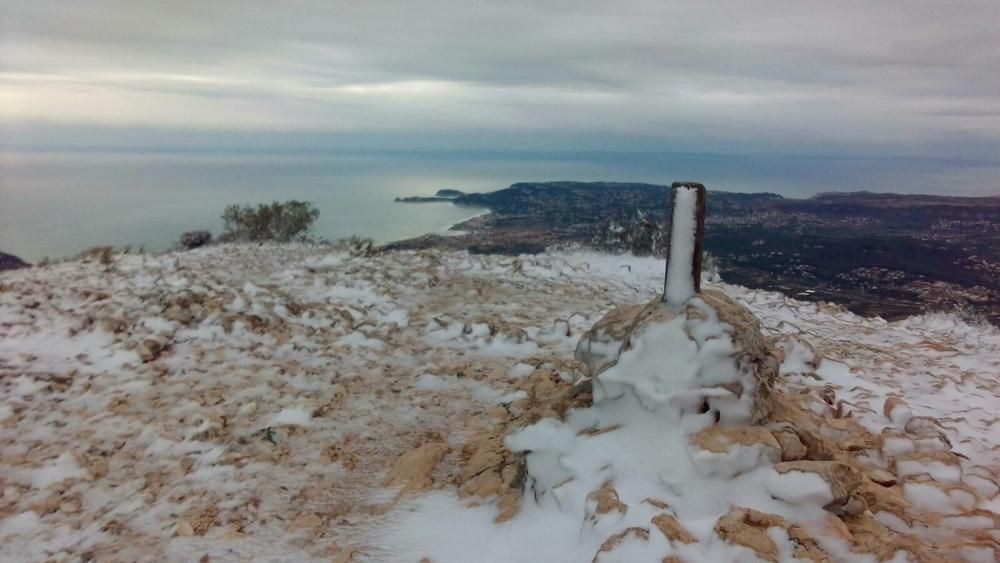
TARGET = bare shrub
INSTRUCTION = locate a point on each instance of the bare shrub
(277, 221)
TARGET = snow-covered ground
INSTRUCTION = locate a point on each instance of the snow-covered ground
(248, 402)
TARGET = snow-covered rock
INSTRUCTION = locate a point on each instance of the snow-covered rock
(707, 358)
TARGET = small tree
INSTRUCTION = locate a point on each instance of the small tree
(288, 221)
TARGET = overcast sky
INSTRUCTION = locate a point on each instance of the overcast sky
(905, 77)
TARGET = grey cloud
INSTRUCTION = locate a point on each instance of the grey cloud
(904, 76)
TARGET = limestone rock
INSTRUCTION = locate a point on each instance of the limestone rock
(792, 448)
(413, 471)
(149, 349)
(880, 498)
(926, 427)
(747, 527)
(489, 469)
(614, 541)
(551, 396)
(719, 439)
(600, 346)
(938, 465)
(896, 410)
(728, 451)
(307, 521)
(882, 477)
(184, 529)
(800, 353)
(346, 556)
(603, 501)
(662, 505)
(672, 529)
(200, 520)
(842, 478)
(870, 537)
(824, 438)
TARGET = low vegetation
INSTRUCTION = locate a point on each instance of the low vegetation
(276, 221)
(289, 221)
(357, 246)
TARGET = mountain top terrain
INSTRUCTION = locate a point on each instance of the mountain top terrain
(297, 402)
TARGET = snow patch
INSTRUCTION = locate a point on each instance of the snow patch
(298, 416)
(520, 370)
(64, 467)
(799, 487)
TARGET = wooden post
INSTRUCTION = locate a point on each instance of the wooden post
(686, 258)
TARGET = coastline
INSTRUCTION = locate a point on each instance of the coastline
(455, 228)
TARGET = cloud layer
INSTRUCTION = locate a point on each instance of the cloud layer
(904, 77)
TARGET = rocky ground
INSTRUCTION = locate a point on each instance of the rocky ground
(296, 402)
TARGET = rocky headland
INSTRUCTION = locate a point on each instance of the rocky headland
(445, 195)
(11, 262)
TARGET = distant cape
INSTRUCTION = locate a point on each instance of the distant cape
(11, 262)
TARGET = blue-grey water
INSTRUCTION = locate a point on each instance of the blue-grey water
(57, 203)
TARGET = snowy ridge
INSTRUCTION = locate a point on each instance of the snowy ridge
(249, 402)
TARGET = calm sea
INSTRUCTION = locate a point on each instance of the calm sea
(56, 203)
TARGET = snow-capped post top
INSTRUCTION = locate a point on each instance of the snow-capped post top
(687, 229)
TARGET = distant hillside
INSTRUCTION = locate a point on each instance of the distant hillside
(11, 262)
(570, 202)
(887, 254)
